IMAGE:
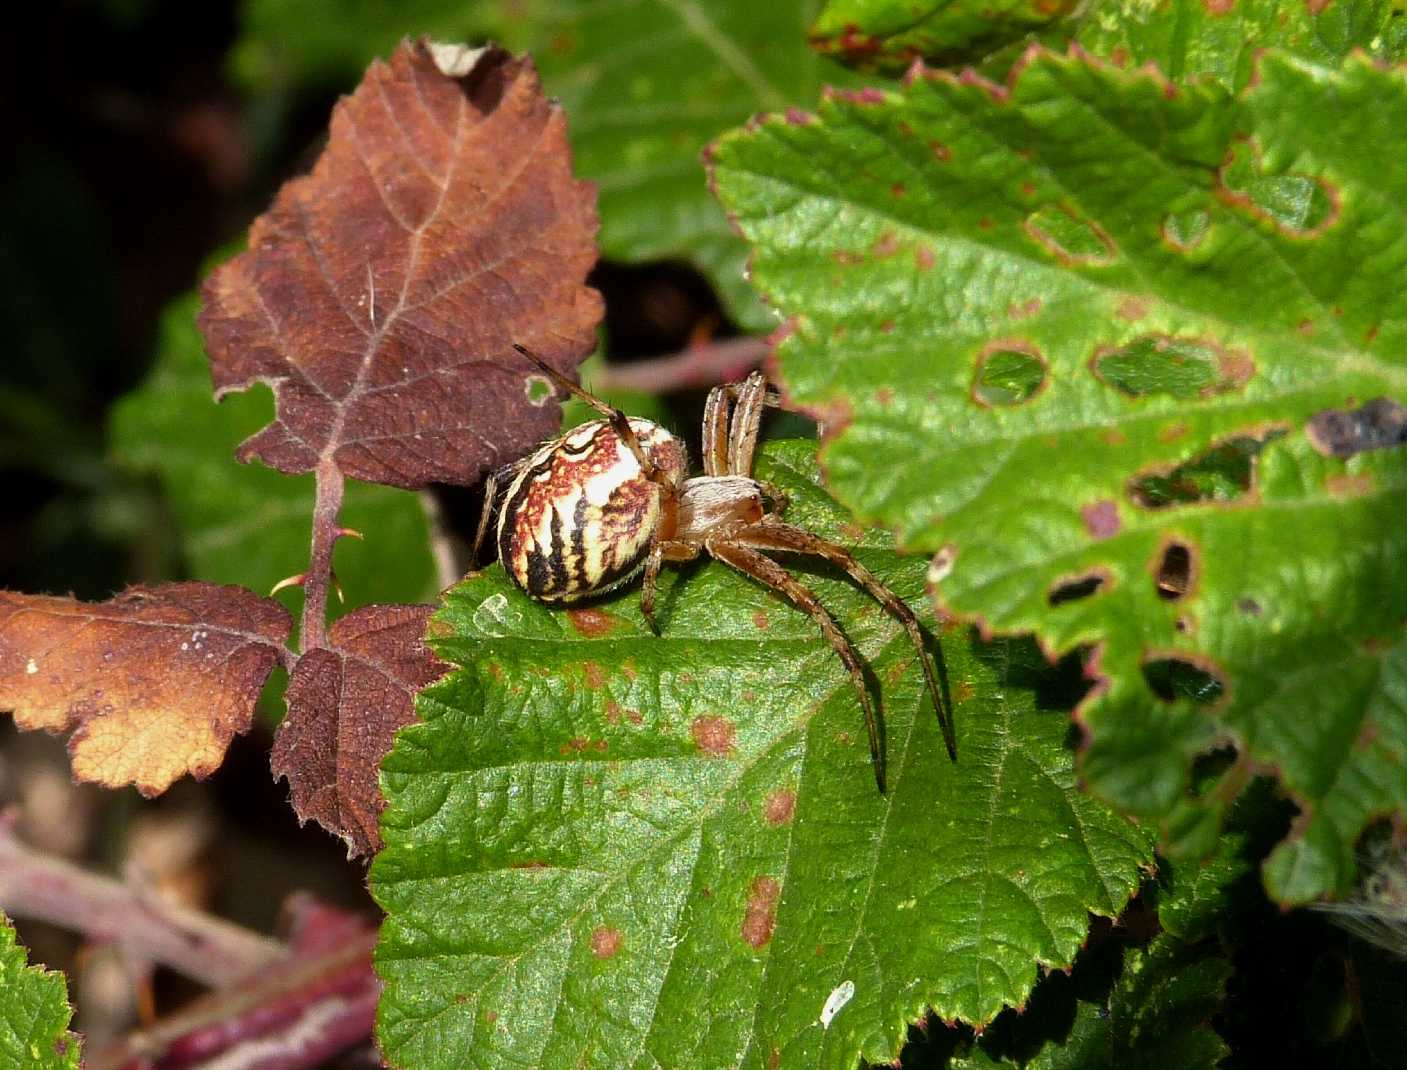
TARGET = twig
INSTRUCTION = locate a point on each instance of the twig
(696, 367)
(206, 949)
(330, 484)
(289, 1018)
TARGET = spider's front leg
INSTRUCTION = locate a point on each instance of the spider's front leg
(661, 550)
(773, 534)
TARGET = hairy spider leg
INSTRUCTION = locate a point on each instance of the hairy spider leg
(747, 419)
(715, 432)
(661, 552)
(619, 421)
(775, 535)
(765, 570)
(499, 477)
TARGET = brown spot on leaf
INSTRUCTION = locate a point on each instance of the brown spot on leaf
(1317, 7)
(924, 258)
(594, 675)
(886, 245)
(714, 736)
(1174, 431)
(1023, 310)
(592, 623)
(779, 806)
(1115, 437)
(774, 1059)
(1343, 485)
(1217, 8)
(441, 205)
(845, 257)
(605, 941)
(1133, 308)
(156, 681)
(761, 913)
(897, 190)
(1379, 424)
(884, 396)
(345, 704)
(941, 152)
(1101, 518)
(965, 691)
(490, 1017)
(759, 620)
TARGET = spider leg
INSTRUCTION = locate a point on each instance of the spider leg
(775, 535)
(660, 552)
(766, 571)
(715, 432)
(499, 476)
(619, 421)
(747, 418)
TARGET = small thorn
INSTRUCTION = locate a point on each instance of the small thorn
(337, 587)
(291, 581)
(351, 533)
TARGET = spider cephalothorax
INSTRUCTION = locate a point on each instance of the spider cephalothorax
(610, 499)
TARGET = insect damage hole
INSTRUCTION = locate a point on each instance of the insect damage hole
(1173, 572)
(1074, 588)
(1171, 678)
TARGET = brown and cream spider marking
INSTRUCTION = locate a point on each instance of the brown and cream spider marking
(610, 499)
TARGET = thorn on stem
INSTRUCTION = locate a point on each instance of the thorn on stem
(350, 533)
(290, 581)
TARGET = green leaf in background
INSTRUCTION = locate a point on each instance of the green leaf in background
(893, 33)
(1220, 38)
(610, 849)
(1198, 275)
(645, 84)
(34, 1012)
(247, 524)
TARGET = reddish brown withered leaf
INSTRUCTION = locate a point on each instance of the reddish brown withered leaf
(381, 294)
(345, 703)
(157, 680)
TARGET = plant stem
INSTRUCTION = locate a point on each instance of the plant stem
(206, 949)
(318, 578)
(694, 368)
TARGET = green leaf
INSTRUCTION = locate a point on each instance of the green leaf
(1220, 38)
(248, 524)
(894, 33)
(34, 1012)
(1242, 584)
(606, 848)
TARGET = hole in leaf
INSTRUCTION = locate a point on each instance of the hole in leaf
(1181, 367)
(1174, 572)
(1075, 588)
(1296, 204)
(1184, 231)
(1172, 678)
(1220, 474)
(537, 389)
(1071, 239)
(1377, 425)
(1007, 375)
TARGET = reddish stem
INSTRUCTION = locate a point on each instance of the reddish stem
(696, 367)
(318, 578)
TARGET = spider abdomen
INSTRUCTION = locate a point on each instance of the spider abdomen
(579, 517)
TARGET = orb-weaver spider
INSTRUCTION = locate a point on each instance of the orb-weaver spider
(610, 499)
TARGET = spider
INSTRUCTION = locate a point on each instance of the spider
(612, 499)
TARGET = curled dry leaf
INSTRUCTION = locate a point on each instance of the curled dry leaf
(345, 703)
(157, 680)
(381, 294)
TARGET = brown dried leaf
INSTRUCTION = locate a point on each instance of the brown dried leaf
(345, 703)
(157, 680)
(381, 294)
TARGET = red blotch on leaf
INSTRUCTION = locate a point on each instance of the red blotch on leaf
(345, 703)
(381, 294)
(592, 623)
(714, 735)
(779, 806)
(761, 914)
(605, 941)
(1101, 518)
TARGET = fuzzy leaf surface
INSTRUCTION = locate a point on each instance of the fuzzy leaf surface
(248, 524)
(381, 294)
(345, 702)
(595, 832)
(34, 1012)
(155, 681)
(1207, 290)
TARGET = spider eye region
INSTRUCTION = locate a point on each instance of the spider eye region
(578, 519)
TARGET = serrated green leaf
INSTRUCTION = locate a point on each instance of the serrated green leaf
(605, 848)
(34, 1012)
(894, 33)
(909, 236)
(247, 524)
